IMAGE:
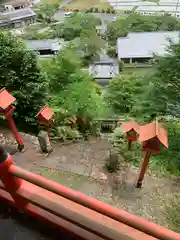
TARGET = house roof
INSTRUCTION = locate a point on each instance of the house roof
(131, 125)
(16, 15)
(145, 44)
(104, 69)
(152, 130)
(15, 3)
(44, 44)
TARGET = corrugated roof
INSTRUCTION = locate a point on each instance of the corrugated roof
(17, 15)
(145, 44)
(44, 44)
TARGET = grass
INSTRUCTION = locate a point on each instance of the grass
(68, 179)
(87, 4)
(172, 213)
(50, 1)
(141, 71)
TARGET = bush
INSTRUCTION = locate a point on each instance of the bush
(169, 159)
(112, 51)
(121, 65)
(67, 133)
(120, 143)
(117, 137)
(91, 10)
(103, 11)
(108, 10)
(96, 10)
(113, 161)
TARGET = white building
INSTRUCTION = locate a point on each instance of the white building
(140, 47)
(171, 7)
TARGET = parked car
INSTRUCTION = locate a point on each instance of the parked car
(68, 14)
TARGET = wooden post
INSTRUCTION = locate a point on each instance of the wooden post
(129, 144)
(143, 169)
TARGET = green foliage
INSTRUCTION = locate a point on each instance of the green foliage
(64, 133)
(73, 26)
(45, 12)
(172, 213)
(63, 70)
(169, 159)
(89, 45)
(122, 91)
(38, 35)
(139, 23)
(111, 51)
(117, 137)
(81, 99)
(121, 65)
(112, 162)
(22, 75)
(161, 92)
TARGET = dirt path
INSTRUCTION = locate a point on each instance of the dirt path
(80, 166)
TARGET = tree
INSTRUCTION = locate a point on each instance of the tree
(61, 69)
(73, 26)
(121, 93)
(81, 99)
(89, 45)
(162, 94)
(21, 75)
(45, 12)
(139, 23)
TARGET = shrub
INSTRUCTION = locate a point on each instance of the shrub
(91, 10)
(112, 51)
(96, 10)
(169, 159)
(67, 133)
(108, 10)
(121, 65)
(117, 137)
(113, 161)
(103, 11)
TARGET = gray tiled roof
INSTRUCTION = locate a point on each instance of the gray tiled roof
(17, 15)
(104, 69)
(145, 44)
(48, 44)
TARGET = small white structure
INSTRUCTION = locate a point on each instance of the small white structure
(140, 47)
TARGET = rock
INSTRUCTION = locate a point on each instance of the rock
(44, 142)
(103, 176)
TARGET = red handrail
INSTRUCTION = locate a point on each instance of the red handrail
(98, 206)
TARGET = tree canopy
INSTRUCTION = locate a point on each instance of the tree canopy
(140, 23)
(45, 12)
(73, 26)
(121, 93)
(161, 92)
(22, 75)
